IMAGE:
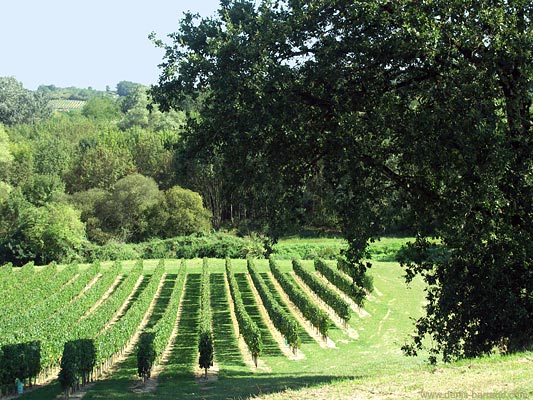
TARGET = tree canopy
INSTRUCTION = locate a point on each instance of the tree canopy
(19, 105)
(424, 103)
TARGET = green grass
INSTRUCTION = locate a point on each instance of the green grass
(371, 366)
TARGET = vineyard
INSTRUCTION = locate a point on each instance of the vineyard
(218, 327)
(66, 105)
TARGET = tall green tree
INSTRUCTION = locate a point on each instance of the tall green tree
(125, 212)
(425, 102)
(181, 212)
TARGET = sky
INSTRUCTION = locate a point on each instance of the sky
(83, 43)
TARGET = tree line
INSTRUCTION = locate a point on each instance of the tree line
(119, 170)
(104, 174)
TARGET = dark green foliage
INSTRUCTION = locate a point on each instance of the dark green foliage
(205, 340)
(125, 88)
(52, 232)
(217, 245)
(332, 299)
(77, 362)
(41, 189)
(87, 352)
(355, 292)
(69, 367)
(145, 355)
(180, 213)
(248, 328)
(125, 212)
(103, 108)
(282, 320)
(310, 311)
(20, 361)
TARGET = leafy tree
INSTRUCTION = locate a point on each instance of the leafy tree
(428, 103)
(91, 203)
(139, 111)
(103, 108)
(5, 160)
(125, 88)
(181, 213)
(99, 165)
(19, 105)
(53, 155)
(40, 189)
(52, 232)
(5, 153)
(125, 212)
(69, 366)
(5, 189)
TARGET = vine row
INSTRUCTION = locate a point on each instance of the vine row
(248, 328)
(346, 285)
(317, 317)
(331, 298)
(283, 321)
(205, 337)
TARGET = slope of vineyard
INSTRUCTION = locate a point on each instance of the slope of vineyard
(114, 289)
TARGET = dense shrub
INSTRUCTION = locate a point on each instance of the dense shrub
(217, 245)
(306, 251)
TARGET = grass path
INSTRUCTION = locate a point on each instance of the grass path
(227, 351)
(179, 370)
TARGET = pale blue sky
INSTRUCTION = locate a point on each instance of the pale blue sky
(88, 43)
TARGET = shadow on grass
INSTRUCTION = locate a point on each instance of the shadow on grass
(270, 346)
(226, 348)
(183, 357)
(163, 300)
(241, 386)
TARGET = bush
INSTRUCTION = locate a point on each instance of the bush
(218, 245)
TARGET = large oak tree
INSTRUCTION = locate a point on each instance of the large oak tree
(427, 102)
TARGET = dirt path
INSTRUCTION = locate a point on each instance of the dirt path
(278, 337)
(247, 356)
(120, 311)
(104, 297)
(346, 328)
(70, 281)
(309, 328)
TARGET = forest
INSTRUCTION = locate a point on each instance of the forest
(86, 173)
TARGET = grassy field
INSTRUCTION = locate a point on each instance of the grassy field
(371, 366)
